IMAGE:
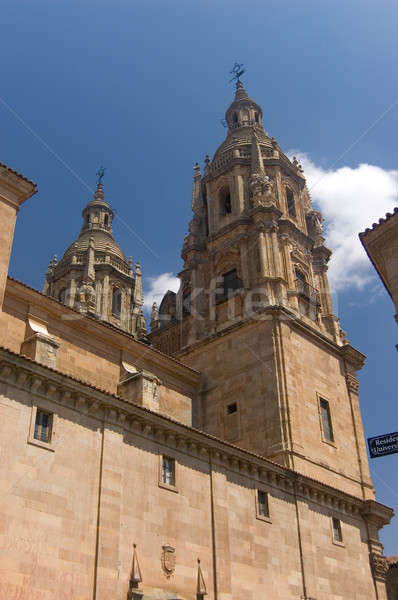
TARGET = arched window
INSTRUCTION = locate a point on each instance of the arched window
(235, 118)
(291, 205)
(117, 302)
(62, 295)
(106, 220)
(225, 201)
(256, 117)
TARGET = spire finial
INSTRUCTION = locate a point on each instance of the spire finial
(236, 72)
(100, 174)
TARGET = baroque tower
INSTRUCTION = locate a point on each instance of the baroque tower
(254, 312)
(93, 275)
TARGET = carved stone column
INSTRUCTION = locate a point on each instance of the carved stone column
(105, 297)
(262, 249)
(275, 250)
(244, 263)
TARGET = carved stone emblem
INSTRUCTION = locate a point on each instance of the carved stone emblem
(168, 560)
(379, 566)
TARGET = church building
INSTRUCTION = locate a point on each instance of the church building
(219, 456)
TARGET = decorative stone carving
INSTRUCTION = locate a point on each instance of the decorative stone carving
(168, 560)
(154, 317)
(260, 185)
(86, 297)
(379, 566)
(225, 254)
(197, 227)
(314, 223)
(352, 383)
(201, 590)
(134, 593)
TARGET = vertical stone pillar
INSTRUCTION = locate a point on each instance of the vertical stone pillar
(105, 298)
(109, 511)
(275, 250)
(262, 249)
(287, 262)
(244, 265)
(71, 292)
(353, 361)
(287, 271)
(240, 193)
(14, 190)
(320, 271)
(220, 532)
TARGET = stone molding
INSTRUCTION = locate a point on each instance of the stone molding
(116, 412)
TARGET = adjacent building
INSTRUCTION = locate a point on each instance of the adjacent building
(381, 245)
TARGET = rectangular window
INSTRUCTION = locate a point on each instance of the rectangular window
(43, 426)
(42, 430)
(326, 420)
(336, 529)
(230, 282)
(262, 503)
(168, 471)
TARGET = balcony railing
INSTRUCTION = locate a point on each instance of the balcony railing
(306, 291)
(227, 290)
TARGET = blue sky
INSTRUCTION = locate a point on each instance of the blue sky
(140, 87)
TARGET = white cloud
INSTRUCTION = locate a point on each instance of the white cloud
(350, 199)
(157, 287)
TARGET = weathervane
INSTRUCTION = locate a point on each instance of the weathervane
(237, 71)
(100, 174)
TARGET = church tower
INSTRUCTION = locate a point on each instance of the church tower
(254, 312)
(94, 277)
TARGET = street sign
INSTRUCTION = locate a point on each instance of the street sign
(383, 444)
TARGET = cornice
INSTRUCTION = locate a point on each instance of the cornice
(347, 352)
(111, 410)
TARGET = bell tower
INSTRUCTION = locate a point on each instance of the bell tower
(254, 311)
(93, 275)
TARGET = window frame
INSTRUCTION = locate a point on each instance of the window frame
(225, 201)
(117, 302)
(161, 480)
(259, 514)
(339, 529)
(330, 428)
(50, 443)
(230, 278)
(291, 203)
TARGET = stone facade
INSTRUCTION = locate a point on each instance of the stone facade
(381, 245)
(235, 468)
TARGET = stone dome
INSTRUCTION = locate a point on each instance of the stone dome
(241, 137)
(103, 242)
(97, 225)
